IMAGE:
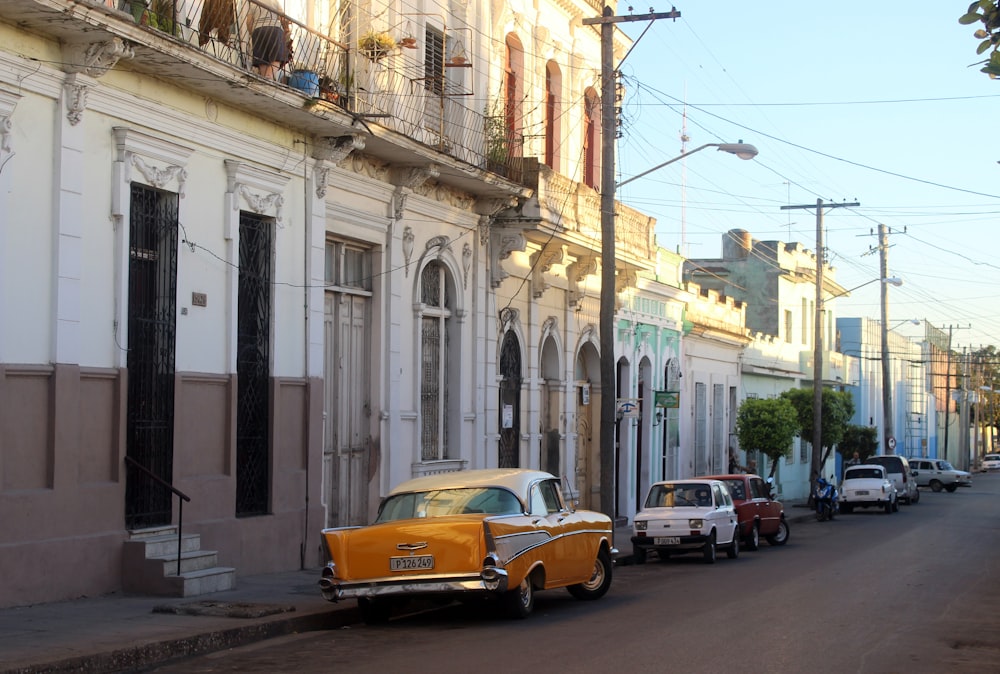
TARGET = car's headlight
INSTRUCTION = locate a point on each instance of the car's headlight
(640, 525)
(696, 524)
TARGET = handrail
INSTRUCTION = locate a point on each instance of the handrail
(181, 497)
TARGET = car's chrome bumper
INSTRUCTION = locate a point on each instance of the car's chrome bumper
(334, 589)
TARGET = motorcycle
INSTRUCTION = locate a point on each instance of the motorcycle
(826, 499)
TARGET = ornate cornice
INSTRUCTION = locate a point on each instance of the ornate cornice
(334, 149)
(624, 280)
(408, 238)
(577, 272)
(262, 203)
(95, 58)
(413, 177)
(503, 242)
(161, 177)
(321, 175)
(541, 262)
(466, 261)
(8, 103)
(76, 98)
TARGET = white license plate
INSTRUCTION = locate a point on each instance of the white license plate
(666, 540)
(862, 492)
(414, 563)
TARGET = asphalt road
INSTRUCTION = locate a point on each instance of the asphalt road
(915, 591)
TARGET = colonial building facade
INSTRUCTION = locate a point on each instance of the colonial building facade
(257, 304)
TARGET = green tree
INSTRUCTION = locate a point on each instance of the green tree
(837, 410)
(860, 439)
(984, 378)
(768, 426)
(986, 12)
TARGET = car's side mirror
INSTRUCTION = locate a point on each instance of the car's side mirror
(914, 473)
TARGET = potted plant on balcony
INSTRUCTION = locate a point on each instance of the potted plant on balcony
(376, 44)
(497, 141)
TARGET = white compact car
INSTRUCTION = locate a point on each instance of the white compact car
(682, 516)
(866, 486)
(938, 474)
(991, 462)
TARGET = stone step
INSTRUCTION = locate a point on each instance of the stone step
(205, 581)
(192, 560)
(163, 545)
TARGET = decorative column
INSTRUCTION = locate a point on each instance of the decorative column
(84, 63)
(8, 103)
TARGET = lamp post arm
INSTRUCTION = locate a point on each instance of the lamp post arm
(666, 163)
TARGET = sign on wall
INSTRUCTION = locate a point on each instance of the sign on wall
(671, 399)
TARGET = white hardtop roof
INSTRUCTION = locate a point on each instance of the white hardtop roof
(515, 479)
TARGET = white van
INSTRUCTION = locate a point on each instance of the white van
(898, 471)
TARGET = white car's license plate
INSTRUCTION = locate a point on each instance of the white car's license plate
(862, 492)
(413, 563)
(666, 540)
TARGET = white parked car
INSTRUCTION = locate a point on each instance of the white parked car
(681, 516)
(866, 486)
(991, 462)
(938, 474)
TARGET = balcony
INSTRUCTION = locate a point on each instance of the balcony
(411, 108)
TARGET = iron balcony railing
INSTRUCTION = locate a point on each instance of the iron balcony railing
(375, 73)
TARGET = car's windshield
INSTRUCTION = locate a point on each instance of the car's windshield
(944, 465)
(860, 473)
(679, 494)
(441, 502)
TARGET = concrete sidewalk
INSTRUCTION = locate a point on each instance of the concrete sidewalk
(117, 633)
(123, 633)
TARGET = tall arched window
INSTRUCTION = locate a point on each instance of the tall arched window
(513, 92)
(591, 139)
(436, 297)
(553, 111)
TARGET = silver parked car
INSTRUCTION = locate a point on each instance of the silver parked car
(938, 474)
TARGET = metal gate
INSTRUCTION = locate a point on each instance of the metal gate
(510, 402)
(253, 357)
(152, 301)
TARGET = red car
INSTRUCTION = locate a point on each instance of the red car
(759, 514)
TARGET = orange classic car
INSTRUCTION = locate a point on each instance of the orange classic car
(501, 533)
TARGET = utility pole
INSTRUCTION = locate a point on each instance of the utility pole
(947, 395)
(888, 441)
(817, 441)
(609, 384)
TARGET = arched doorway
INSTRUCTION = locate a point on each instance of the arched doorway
(509, 449)
(588, 417)
(550, 458)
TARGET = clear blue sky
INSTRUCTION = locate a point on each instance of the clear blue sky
(851, 102)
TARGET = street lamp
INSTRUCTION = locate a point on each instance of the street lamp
(609, 379)
(912, 321)
(892, 280)
(741, 150)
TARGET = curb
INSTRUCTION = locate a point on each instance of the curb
(161, 652)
